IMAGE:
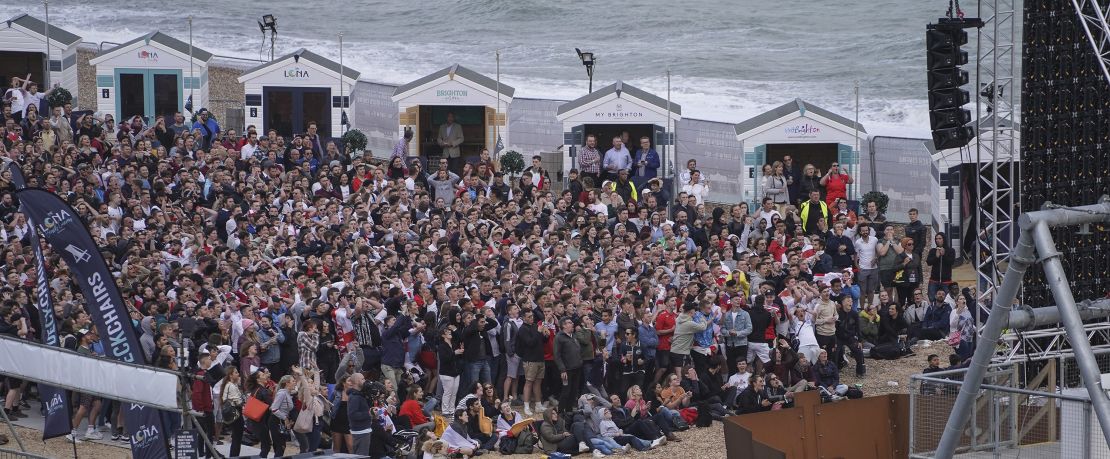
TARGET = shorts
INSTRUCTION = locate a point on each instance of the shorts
(761, 350)
(87, 401)
(533, 371)
(678, 360)
(512, 366)
(886, 278)
(868, 280)
(663, 359)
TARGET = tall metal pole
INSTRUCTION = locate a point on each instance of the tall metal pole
(671, 151)
(192, 80)
(497, 114)
(46, 80)
(342, 105)
(855, 188)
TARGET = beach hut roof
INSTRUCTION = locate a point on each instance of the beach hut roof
(459, 71)
(298, 55)
(162, 39)
(796, 106)
(36, 25)
(618, 88)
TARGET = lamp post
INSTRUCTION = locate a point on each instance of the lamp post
(588, 61)
(46, 81)
(269, 22)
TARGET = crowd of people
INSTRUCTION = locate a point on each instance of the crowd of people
(327, 299)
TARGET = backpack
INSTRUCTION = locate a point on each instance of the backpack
(507, 445)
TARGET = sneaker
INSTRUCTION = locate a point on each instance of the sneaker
(93, 435)
(115, 436)
(658, 442)
(626, 448)
(72, 438)
(582, 447)
(527, 410)
(540, 408)
(598, 453)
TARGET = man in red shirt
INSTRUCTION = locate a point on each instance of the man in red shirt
(664, 327)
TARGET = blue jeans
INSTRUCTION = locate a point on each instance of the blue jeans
(637, 443)
(606, 445)
(477, 371)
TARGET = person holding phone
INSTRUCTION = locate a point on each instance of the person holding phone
(836, 183)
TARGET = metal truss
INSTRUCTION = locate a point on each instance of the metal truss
(996, 181)
(1048, 343)
(1092, 15)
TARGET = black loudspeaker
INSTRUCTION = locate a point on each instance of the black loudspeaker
(947, 117)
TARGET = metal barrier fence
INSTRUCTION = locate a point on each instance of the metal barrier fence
(13, 454)
(1020, 412)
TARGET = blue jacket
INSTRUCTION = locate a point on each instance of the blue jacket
(649, 340)
(742, 324)
(358, 411)
(936, 318)
(271, 354)
(393, 345)
(704, 338)
(651, 169)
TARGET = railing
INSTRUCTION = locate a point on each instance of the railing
(1019, 412)
(13, 454)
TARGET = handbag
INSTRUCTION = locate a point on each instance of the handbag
(305, 422)
(255, 409)
(229, 412)
(954, 338)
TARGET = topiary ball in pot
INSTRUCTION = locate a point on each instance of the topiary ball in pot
(512, 162)
(59, 97)
(355, 140)
(880, 199)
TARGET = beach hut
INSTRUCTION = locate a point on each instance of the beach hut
(806, 132)
(302, 87)
(471, 98)
(23, 51)
(151, 76)
(612, 110)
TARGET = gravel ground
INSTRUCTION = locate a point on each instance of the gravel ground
(60, 448)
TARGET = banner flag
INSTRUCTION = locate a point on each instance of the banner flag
(55, 401)
(58, 223)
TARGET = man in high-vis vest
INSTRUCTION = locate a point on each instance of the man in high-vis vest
(813, 210)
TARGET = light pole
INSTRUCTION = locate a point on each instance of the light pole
(46, 81)
(269, 22)
(588, 61)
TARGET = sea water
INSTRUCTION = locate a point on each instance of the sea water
(729, 60)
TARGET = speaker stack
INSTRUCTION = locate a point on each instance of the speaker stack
(1065, 141)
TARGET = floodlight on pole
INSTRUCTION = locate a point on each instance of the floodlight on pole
(268, 22)
(588, 61)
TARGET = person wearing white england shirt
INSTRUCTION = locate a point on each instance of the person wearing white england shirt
(868, 262)
(249, 148)
(16, 95)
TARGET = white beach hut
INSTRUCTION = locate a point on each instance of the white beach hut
(295, 89)
(151, 76)
(23, 51)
